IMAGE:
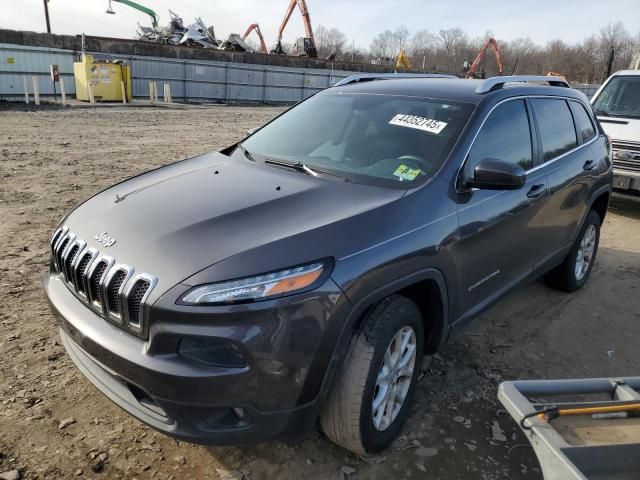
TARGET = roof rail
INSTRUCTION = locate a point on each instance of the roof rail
(367, 77)
(494, 83)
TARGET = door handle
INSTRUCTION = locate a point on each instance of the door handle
(589, 165)
(537, 190)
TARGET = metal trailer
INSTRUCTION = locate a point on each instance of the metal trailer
(583, 442)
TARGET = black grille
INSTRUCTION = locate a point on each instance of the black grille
(82, 272)
(63, 245)
(135, 301)
(68, 271)
(113, 303)
(94, 282)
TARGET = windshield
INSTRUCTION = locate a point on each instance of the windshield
(620, 97)
(383, 139)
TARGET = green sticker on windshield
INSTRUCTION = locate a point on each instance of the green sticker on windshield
(405, 173)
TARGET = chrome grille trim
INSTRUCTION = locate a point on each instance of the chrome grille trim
(63, 250)
(107, 284)
(56, 238)
(135, 322)
(61, 244)
(630, 153)
(74, 249)
(98, 279)
(97, 301)
(81, 265)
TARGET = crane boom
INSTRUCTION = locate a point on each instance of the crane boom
(256, 27)
(137, 6)
(476, 63)
(302, 5)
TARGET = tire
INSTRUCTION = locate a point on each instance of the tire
(347, 417)
(567, 277)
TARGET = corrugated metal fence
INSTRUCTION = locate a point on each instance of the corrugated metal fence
(190, 80)
(195, 81)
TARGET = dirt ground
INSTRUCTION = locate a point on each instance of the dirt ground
(53, 158)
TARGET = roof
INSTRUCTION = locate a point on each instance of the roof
(453, 89)
(626, 72)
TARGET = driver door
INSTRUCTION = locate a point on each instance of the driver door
(500, 231)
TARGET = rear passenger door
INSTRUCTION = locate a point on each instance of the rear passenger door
(500, 230)
(568, 162)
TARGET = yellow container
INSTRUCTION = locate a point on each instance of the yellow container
(105, 77)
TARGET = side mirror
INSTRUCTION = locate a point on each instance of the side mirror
(251, 131)
(493, 174)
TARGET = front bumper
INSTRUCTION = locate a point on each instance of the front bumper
(287, 343)
(626, 181)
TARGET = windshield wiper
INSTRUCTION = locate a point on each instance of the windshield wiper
(246, 153)
(602, 113)
(299, 166)
(303, 168)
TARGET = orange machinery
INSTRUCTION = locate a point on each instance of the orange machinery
(306, 45)
(472, 70)
(256, 27)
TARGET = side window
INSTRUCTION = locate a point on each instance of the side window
(504, 136)
(555, 122)
(583, 121)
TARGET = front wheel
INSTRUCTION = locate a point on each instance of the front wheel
(370, 399)
(573, 273)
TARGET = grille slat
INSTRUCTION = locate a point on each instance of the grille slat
(81, 272)
(61, 232)
(95, 283)
(112, 290)
(59, 251)
(134, 307)
(632, 149)
(69, 261)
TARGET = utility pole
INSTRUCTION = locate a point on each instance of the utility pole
(46, 15)
(612, 54)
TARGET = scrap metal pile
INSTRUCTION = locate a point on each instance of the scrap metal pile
(196, 34)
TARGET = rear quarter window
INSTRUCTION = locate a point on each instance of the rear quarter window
(557, 132)
(586, 129)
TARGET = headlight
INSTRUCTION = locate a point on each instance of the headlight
(260, 287)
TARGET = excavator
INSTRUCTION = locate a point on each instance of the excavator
(471, 71)
(256, 27)
(148, 11)
(305, 45)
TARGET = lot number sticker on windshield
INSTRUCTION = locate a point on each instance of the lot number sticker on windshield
(420, 123)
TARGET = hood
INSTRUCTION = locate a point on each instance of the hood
(177, 220)
(621, 129)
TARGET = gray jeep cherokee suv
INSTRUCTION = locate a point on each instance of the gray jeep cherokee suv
(298, 276)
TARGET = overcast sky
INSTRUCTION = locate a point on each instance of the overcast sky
(360, 20)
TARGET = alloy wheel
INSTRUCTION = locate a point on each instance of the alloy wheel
(585, 252)
(394, 378)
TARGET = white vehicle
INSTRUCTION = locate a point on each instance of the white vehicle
(617, 105)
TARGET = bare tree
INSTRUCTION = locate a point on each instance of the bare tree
(585, 62)
(386, 45)
(329, 41)
(452, 39)
(423, 48)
